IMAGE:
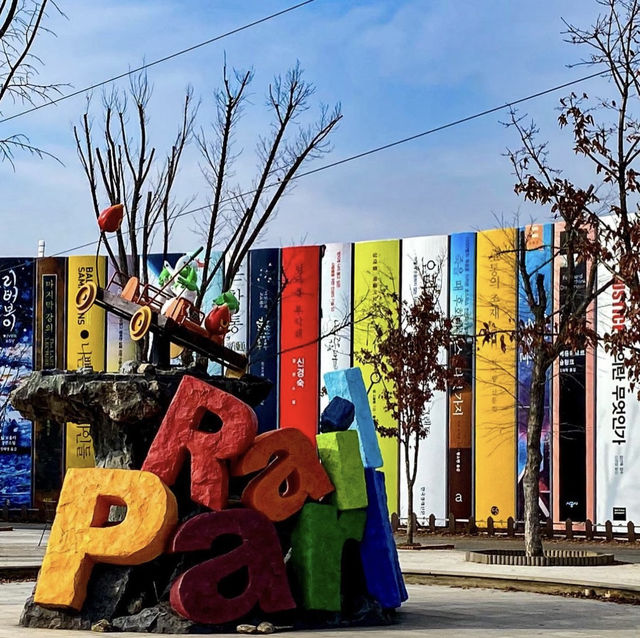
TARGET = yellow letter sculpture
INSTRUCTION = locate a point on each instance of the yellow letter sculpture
(79, 538)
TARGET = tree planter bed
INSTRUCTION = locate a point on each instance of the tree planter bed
(551, 558)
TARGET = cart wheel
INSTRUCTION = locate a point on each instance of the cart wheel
(86, 296)
(140, 323)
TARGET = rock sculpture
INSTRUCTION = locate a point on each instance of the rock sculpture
(251, 529)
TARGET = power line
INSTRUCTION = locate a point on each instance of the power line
(463, 120)
(416, 136)
(158, 61)
(371, 151)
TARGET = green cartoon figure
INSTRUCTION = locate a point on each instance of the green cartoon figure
(184, 276)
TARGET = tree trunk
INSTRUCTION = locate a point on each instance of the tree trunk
(531, 480)
(411, 521)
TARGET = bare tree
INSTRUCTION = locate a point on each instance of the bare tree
(409, 337)
(549, 332)
(21, 23)
(237, 215)
(124, 167)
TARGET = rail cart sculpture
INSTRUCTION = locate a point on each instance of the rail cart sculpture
(171, 319)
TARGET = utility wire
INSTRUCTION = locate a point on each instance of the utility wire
(371, 151)
(158, 61)
(463, 120)
(404, 140)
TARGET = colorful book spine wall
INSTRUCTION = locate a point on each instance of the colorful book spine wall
(617, 415)
(424, 262)
(299, 343)
(336, 279)
(538, 240)
(86, 348)
(376, 265)
(264, 328)
(305, 311)
(462, 261)
(495, 376)
(237, 337)
(16, 362)
(50, 354)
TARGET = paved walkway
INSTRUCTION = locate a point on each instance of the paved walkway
(19, 550)
(430, 611)
(436, 610)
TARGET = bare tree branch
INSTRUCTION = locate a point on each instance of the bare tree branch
(21, 23)
(280, 155)
(126, 169)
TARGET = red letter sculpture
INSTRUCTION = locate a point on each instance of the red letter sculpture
(196, 594)
(179, 434)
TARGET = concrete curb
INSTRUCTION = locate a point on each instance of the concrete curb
(582, 590)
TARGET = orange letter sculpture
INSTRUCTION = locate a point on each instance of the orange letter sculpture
(196, 408)
(296, 462)
(78, 538)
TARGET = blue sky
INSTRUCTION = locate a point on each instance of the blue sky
(397, 66)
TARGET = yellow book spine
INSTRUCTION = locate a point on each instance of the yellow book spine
(376, 263)
(495, 424)
(85, 348)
